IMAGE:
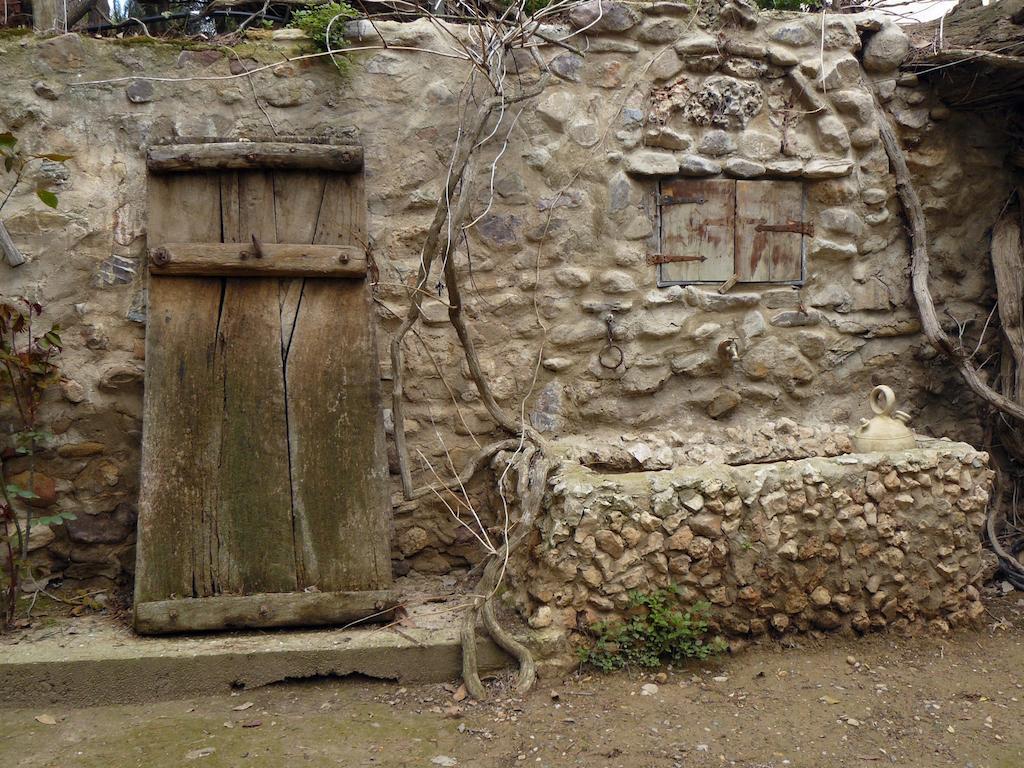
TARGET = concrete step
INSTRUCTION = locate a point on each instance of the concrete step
(110, 665)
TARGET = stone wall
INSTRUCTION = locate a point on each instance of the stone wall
(861, 541)
(562, 240)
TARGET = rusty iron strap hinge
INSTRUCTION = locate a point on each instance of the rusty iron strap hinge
(673, 200)
(798, 227)
(663, 258)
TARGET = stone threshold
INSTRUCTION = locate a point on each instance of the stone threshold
(109, 665)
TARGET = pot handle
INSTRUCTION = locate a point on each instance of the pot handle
(883, 400)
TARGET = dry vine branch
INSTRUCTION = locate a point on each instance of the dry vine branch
(933, 330)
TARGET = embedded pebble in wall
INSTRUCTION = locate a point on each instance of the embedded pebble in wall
(821, 248)
(696, 44)
(781, 57)
(696, 166)
(572, 277)
(833, 135)
(567, 66)
(865, 137)
(667, 138)
(827, 169)
(652, 163)
(555, 108)
(615, 281)
(716, 144)
(886, 49)
(739, 13)
(667, 65)
(666, 9)
(741, 168)
(584, 131)
(796, 319)
(841, 220)
(600, 16)
(759, 145)
(915, 119)
(659, 31)
(796, 34)
(874, 196)
(139, 92)
(784, 169)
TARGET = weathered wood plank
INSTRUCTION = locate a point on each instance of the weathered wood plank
(248, 155)
(1008, 266)
(254, 524)
(700, 229)
(12, 255)
(339, 461)
(297, 199)
(304, 609)
(181, 417)
(240, 260)
(768, 255)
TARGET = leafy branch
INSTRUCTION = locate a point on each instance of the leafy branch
(18, 163)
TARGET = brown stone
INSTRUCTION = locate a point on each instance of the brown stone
(610, 542)
(80, 450)
(44, 486)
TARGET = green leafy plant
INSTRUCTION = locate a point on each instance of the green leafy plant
(29, 366)
(18, 162)
(659, 631)
(325, 26)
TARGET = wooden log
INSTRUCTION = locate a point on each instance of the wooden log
(272, 260)
(303, 609)
(1008, 266)
(14, 257)
(970, 24)
(249, 155)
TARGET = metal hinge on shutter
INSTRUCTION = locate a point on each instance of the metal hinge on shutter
(661, 258)
(675, 200)
(798, 227)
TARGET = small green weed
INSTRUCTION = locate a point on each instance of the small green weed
(660, 631)
(316, 21)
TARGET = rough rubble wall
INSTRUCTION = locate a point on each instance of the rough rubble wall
(563, 240)
(861, 541)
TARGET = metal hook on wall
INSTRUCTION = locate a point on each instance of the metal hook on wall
(611, 355)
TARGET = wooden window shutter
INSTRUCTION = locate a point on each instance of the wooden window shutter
(769, 231)
(714, 229)
(697, 220)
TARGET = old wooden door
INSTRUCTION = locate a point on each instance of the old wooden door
(264, 498)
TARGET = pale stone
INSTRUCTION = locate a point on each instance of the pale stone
(716, 143)
(783, 169)
(697, 166)
(741, 168)
(572, 277)
(615, 281)
(821, 596)
(667, 138)
(602, 16)
(886, 49)
(556, 108)
(827, 169)
(792, 34)
(822, 248)
(833, 135)
(651, 163)
(696, 44)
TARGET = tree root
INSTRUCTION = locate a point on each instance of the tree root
(533, 467)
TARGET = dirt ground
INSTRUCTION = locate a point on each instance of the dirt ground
(927, 702)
